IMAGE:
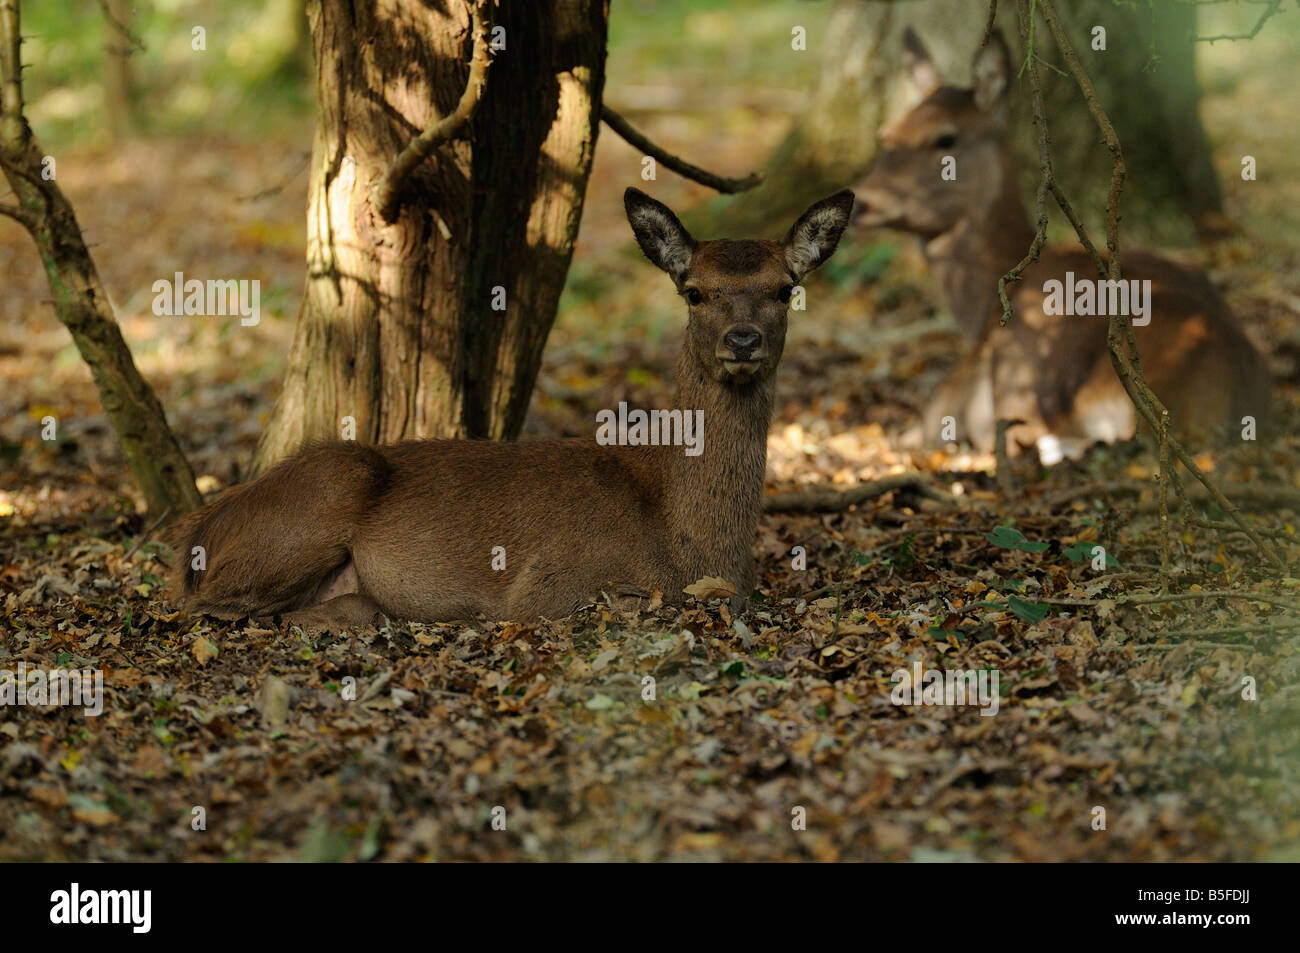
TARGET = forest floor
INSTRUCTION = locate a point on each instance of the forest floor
(1123, 730)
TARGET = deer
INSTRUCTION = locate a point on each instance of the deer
(1050, 371)
(344, 533)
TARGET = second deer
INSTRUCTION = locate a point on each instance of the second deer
(1048, 369)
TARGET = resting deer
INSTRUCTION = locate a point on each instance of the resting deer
(421, 530)
(1051, 370)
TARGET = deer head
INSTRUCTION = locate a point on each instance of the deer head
(904, 188)
(737, 291)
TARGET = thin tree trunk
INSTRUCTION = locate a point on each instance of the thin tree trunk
(118, 102)
(148, 445)
(398, 329)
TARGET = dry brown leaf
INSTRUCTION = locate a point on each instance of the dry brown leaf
(711, 587)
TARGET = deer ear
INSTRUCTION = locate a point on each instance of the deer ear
(661, 236)
(992, 71)
(919, 66)
(813, 238)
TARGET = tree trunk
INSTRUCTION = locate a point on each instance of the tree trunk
(434, 325)
(118, 101)
(1145, 79)
(160, 468)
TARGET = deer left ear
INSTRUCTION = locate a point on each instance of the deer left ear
(814, 237)
(661, 236)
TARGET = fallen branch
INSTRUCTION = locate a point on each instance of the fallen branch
(835, 501)
(1157, 598)
(683, 168)
(387, 192)
(1282, 495)
(146, 534)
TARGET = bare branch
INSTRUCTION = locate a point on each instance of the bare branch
(1274, 6)
(1045, 177)
(14, 212)
(683, 168)
(988, 24)
(134, 43)
(388, 191)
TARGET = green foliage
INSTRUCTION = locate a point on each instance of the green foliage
(1008, 537)
(254, 70)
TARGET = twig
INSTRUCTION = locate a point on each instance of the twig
(445, 129)
(1282, 495)
(1157, 598)
(1273, 7)
(136, 45)
(988, 24)
(1168, 647)
(272, 190)
(683, 168)
(1270, 625)
(1164, 496)
(147, 533)
(834, 501)
(1233, 528)
(1044, 165)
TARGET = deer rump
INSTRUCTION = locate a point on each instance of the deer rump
(1054, 371)
(395, 529)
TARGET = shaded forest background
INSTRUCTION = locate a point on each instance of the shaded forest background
(198, 162)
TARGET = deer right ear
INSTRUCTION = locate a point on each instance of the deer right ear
(919, 66)
(992, 71)
(813, 238)
(661, 236)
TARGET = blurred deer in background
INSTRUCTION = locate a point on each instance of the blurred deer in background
(433, 530)
(1049, 369)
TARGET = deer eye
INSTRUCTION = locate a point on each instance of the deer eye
(946, 141)
(785, 292)
(693, 295)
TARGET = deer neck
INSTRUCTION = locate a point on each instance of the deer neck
(970, 257)
(714, 500)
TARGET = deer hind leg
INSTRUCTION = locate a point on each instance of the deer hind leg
(274, 544)
(341, 612)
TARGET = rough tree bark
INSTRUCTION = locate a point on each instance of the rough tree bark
(160, 468)
(1146, 79)
(397, 328)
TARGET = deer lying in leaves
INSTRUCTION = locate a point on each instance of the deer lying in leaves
(1049, 369)
(341, 533)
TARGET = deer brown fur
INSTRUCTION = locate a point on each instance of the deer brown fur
(1051, 371)
(341, 532)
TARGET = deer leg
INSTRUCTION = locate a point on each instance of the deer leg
(341, 612)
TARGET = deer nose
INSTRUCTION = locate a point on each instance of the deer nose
(742, 342)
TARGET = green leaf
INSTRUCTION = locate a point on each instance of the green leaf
(1008, 537)
(1029, 611)
(1082, 552)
